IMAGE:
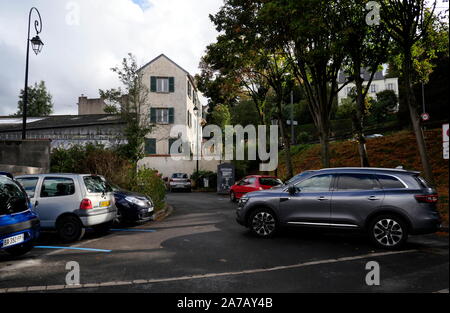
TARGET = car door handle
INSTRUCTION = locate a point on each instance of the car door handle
(322, 199)
(373, 198)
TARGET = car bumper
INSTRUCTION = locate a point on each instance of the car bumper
(96, 219)
(30, 229)
(427, 225)
(180, 186)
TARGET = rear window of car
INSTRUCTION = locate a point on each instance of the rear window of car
(29, 184)
(357, 182)
(57, 187)
(422, 182)
(390, 182)
(95, 184)
(269, 181)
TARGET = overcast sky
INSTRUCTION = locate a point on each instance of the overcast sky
(85, 38)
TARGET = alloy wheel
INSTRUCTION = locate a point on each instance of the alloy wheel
(263, 223)
(387, 232)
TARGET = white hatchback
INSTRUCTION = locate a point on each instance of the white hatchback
(71, 202)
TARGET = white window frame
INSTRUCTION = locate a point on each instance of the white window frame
(162, 116)
(162, 84)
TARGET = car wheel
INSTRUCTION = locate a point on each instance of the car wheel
(102, 229)
(388, 232)
(20, 249)
(119, 217)
(232, 196)
(263, 223)
(70, 229)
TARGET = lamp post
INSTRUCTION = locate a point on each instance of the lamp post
(196, 110)
(36, 45)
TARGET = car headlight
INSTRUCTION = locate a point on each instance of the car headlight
(243, 200)
(135, 201)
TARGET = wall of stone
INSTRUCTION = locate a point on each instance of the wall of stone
(23, 157)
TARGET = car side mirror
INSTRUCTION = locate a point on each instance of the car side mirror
(293, 190)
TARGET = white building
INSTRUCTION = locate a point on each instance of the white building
(379, 83)
(172, 100)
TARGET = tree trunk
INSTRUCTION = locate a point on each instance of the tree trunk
(411, 103)
(359, 120)
(325, 148)
(287, 148)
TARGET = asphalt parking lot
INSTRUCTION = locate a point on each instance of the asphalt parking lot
(200, 248)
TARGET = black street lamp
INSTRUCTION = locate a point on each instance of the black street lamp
(196, 110)
(36, 45)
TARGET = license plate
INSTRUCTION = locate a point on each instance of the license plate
(13, 240)
(104, 203)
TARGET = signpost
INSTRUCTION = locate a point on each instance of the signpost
(445, 133)
(425, 116)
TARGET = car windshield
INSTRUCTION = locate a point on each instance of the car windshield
(270, 181)
(297, 177)
(95, 184)
(12, 197)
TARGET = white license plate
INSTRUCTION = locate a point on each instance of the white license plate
(13, 240)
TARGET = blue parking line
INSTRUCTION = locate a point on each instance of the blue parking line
(135, 230)
(73, 248)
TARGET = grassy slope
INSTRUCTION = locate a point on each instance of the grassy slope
(389, 151)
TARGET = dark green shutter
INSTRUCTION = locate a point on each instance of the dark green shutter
(171, 116)
(150, 146)
(152, 115)
(153, 84)
(171, 84)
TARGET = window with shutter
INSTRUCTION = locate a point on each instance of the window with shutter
(171, 84)
(171, 115)
(153, 84)
(150, 146)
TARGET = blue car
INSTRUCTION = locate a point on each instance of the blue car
(19, 225)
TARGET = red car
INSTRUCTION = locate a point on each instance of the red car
(252, 183)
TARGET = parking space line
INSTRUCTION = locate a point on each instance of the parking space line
(134, 230)
(72, 248)
(211, 275)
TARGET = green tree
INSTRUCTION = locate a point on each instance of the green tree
(365, 47)
(131, 103)
(386, 103)
(221, 116)
(407, 22)
(39, 101)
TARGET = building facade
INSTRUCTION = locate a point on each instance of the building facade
(172, 100)
(379, 83)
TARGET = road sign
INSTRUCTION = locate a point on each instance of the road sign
(445, 140)
(425, 116)
(445, 132)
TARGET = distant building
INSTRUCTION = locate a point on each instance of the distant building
(379, 83)
(67, 130)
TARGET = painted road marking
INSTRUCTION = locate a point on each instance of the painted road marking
(211, 275)
(135, 230)
(72, 248)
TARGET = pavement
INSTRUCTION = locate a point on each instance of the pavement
(200, 248)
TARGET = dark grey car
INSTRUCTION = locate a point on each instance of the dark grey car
(387, 203)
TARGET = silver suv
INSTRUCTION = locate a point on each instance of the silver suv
(387, 203)
(71, 202)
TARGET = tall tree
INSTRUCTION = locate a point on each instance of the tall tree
(39, 101)
(365, 45)
(310, 34)
(407, 22)
(131, 103)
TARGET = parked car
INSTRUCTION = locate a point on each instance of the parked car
(132, 206)
(19, 225)
(252, 183)
(180, 181)
(70, 203)
(388, 204)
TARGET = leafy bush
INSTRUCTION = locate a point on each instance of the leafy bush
(148, 182)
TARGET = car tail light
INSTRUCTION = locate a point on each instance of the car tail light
(86, 204)
(433, 198)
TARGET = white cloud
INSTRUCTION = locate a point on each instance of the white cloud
(85, 38)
